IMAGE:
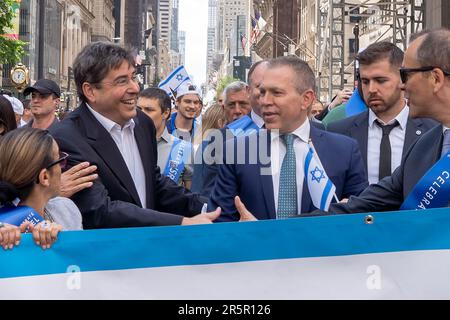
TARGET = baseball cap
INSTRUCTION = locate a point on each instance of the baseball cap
(188, 88)
(44, 86)
(16, 104)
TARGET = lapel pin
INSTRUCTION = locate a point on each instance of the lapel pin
(418, 132)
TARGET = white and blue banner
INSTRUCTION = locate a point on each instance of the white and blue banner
(320, 187)
(393, 255)
(174, 80)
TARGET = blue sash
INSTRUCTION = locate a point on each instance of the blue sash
(18, 215)
(433, 190)
(243, 126)
(171, 125)
(178, 156)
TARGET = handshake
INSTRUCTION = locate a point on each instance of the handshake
(208, 217)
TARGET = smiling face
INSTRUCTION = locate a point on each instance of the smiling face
(115, 97)
(188, 106)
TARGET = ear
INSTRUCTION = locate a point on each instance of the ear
(438, 78)
(308, 99)
(88, 91)
(44, 178)
(166, 114)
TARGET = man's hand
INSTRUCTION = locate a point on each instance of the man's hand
(202, 218)
(244, 213)
(77, 178)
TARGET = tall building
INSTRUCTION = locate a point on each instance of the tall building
(165, 20)
(104, 22)
(231, 25)
(228, 11)
(211, 45)
(174, 28)
(182, 46)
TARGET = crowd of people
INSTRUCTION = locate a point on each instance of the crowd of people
(126, 158)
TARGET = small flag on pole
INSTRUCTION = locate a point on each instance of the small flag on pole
(320, 187)
(174, 80)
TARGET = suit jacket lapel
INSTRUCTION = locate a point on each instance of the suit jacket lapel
(143, 143)
(413, 131)
(266, 179)
(102, 142)
(360, 132)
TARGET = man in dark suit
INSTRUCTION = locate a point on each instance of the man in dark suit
(109, 132)
(426, 83)
(385, 131)
(267, 171)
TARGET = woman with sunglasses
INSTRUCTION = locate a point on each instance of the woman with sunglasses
(30, 174)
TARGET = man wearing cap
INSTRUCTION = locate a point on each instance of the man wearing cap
(45, 95)
(183, 123)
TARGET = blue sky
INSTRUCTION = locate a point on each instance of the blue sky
(193, 15)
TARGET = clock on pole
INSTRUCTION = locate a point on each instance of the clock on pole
(20, 76)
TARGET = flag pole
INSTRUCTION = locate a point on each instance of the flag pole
(318, 159)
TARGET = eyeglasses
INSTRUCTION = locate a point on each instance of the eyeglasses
(405, 71)
(122, 81)
(62, 161)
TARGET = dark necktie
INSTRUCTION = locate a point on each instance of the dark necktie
(385, 149)
(446, 142)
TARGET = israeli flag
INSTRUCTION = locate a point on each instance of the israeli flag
(320, 187)
(174, 80)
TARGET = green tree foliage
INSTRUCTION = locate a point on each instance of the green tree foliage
(222, 83)
(11, 50)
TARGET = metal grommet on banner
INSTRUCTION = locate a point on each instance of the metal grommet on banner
(369, 219)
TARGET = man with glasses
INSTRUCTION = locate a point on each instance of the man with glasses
(385, 131)
(422, 181)
(45, 95)
(108, 131)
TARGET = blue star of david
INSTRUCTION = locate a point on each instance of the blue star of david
(179, 77)
(317, 174)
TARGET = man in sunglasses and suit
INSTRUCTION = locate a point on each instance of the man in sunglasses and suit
(422, 180)
(385, 131)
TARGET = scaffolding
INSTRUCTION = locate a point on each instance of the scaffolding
(331, 20)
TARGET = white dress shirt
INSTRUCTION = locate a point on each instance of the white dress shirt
(257, 119)
(126, 143)
(278, 151)
(396, 137)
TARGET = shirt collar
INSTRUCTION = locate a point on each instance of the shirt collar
(402, 118)
(108, 124)
(166, 136)
(301, 132)
(257, 119)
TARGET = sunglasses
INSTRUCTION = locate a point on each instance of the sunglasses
(404, 72)
(62, 161)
